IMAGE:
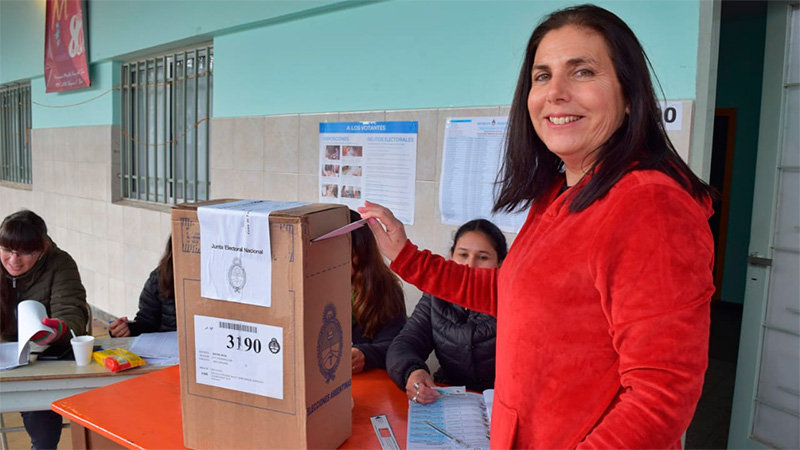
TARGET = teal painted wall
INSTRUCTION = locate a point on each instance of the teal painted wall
(95, 105)
(412, 54)
(120, 27)
(302, 57)
(740, 70)
(21, 39)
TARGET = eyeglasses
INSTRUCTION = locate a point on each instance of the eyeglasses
(19, 254)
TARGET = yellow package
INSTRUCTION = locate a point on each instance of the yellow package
(117, 359)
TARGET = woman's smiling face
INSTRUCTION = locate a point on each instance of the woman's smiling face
(576, 101)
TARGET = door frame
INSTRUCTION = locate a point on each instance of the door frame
(770, 138)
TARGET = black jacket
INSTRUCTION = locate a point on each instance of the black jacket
(374, 349)
(464, 342)
(155, 313)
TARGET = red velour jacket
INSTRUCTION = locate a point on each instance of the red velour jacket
(602, 317)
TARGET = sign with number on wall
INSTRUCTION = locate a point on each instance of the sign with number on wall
(677, 118)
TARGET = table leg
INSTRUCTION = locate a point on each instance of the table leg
(83, 438)
(3, 440)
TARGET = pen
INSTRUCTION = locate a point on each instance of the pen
(455, 440)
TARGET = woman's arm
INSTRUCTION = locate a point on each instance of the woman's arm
(412, 346)
(148, 318)
(471, 287)
(652, 265)
(68, 296)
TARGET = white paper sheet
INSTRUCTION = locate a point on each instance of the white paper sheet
(241, 356)
(235, 255)
(473, 152)
(158, 349)
(29, 322)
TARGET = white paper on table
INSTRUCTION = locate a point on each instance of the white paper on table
(235, 253)
(241, 356)
(30, 314)
(162, 345)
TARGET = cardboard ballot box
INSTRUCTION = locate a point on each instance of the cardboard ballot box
(257, 377)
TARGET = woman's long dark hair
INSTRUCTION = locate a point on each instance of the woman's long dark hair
(377, 292)
(166, 275)
(641, 143)
(488, 229)
(22, 231)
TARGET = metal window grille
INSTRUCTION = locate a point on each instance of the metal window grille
(15, 132)
(164, 145)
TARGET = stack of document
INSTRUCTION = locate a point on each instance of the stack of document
(29, 322)
(458, 419)
(158, 349)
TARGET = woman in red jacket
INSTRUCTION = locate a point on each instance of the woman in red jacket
(602, 304)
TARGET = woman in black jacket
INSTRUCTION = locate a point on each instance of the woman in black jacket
(464, 340)
(156, 302)
(379, 307)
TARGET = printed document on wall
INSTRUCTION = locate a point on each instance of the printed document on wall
(472, 155)
(375, 161)
(241, 356)
(235, 255)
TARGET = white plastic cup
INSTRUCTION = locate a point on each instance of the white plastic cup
(82, 347)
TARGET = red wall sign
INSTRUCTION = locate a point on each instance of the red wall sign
(65, 46)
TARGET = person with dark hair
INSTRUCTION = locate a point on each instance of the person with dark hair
(34, 268)
(463, 340)
(379, 308)
(156, 302)
(603, 302)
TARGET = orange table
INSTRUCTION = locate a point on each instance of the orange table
(145, 412)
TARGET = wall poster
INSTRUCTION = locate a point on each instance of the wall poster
(375, 161)
(66, 65)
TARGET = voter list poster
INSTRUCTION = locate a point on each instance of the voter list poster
(472, 155)
(375, 161)
(240, 356)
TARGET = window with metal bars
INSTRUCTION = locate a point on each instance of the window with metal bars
(15, 132)
(164, 126)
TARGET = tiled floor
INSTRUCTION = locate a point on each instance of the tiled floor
(19, 440)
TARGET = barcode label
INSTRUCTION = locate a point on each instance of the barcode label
(238, 327)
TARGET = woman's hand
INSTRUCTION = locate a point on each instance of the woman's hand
(358, 360)
(119, 328)
(420, 387)
(391, 239)
(57, 329)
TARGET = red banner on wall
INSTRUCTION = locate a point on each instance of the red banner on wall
(65, 46)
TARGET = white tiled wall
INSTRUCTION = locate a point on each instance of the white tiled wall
(116, 244)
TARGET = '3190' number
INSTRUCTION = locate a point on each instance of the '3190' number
(245, 344)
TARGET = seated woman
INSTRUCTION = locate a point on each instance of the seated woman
(464, 340)
(379, 309)
(156, 302)
(34, 268)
